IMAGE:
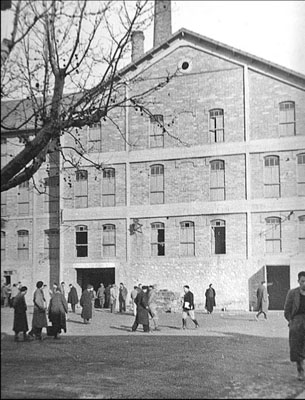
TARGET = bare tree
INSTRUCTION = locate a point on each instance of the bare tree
(62, 72)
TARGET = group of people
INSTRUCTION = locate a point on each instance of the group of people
(145, 309)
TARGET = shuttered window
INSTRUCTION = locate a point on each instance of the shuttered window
(217, 180)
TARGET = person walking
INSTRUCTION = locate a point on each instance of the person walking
(188, 307)
(210, 302)
(133, 296)
(72, 297)
(58, 308)
(152, 305)
(86, 304)
(142, 310)
(101, 295)
(262, 300)
(39, 320)
(122, 297)
(294, 312)
(112, 298)
(20, 317)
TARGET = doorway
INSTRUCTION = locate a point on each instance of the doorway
(278, 284)
(95, 276)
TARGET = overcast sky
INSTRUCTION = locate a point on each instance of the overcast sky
(273, 30)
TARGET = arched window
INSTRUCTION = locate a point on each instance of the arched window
(94, 140)
(272, 176)
(23, 245)
(302, 233)
(218, 227)
(81, 189)
(217, 180)
(108, 187)
(51, 244)
(216, 125)
(156, 131)
(157, 239)
(287, 118)
(24, 198)
(81, 241)
(156, 184)
(109, 240)
(273, 235)
(187, 238)
(301, 174)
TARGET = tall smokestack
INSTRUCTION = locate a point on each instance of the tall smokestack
(162, 21)
(137, 45)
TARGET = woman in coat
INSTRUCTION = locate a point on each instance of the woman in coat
(72, 297)
(86, 303)
(39, 320)
(20, 318)
(210, 302)
(58, 309)
(142, 310)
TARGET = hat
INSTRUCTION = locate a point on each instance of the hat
(23, 289)
(144, 287)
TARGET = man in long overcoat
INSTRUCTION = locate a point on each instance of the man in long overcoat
(72, 297)
(58, 309)
(142, 316)
(20, 318)
(210, 302)
(86, 303)
(39, 320)
(262, 300)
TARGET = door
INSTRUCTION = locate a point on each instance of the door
(220, 240)
(278, 284)
(95, 276)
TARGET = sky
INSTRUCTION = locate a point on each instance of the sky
(272, 30)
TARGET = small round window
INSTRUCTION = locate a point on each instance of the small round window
(185, 65)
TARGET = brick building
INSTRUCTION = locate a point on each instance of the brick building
(217, 198)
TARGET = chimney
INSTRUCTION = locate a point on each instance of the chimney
(137, 45)
(162, 21)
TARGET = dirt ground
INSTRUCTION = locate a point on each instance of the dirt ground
(230, 356)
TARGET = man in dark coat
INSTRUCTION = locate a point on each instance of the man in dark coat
(122, 297)
(39, 320)
(142, 316)
(86, 303)
(72, 297)
(210, 302)
(188, 307)
(294, 312)
(58, 309)
(262, 300)
(20, 318)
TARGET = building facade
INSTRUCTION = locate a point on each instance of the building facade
(207, 188)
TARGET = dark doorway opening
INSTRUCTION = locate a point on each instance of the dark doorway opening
(220, 240)
(95, 276)
(278, 284)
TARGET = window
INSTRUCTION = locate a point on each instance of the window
(81, 241)
(216, 126)
(51, 197)
(24, 199)
(272, 177)
(157, 239)
(3, 151)
(301, 174)
(287, 118)
(3, 245)
(156, 131)
(187, 238)
(156, 184)
(81, 189)
(273, 235)
(109, 246)
(3, 203)
(302, 233)
(51, 244)
(23, 245)
(108, 187)
(217, 180)
(218, 236)
(94, 142)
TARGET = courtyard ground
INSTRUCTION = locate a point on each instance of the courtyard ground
(230, 356)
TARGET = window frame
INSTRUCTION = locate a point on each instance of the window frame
(157, 246)
(301, 233)
(187, 233)
(108, 195)
(3, 245)
(283, 111)
(273, 239)
(81, 245)
(272, 184)
(217, 193)
(109, 241)
(156, 185)
(216, 133)
(23, 198)
(23, 245)
(156, 131)
(300, 179)
(81, 190)
(215, 244)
